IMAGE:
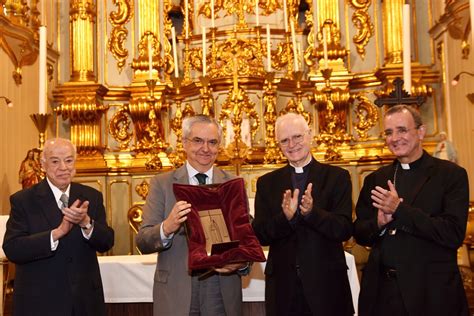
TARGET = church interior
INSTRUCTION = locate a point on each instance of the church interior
(117, 77)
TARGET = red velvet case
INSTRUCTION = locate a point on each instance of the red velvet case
(231, 198)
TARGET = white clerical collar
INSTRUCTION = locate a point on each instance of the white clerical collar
(300, 169)
(192, 174)
(405, 166)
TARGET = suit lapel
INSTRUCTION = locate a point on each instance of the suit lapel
(75, 194)
(219, 176)
(285, 179)
(316, 176)
(181, 175)
(427, 169)
(48, 204)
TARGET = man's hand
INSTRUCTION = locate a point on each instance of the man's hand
(231, 267)
(176, 217)
(290, 203)
(62, 230)
(307, 200)
(386, 201)
(77, 212)
(383, 219)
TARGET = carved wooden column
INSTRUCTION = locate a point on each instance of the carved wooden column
(81, 99)
(392, 30)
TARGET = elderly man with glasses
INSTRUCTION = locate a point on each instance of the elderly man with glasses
(177, 291)
(413, 214)
(303, 212)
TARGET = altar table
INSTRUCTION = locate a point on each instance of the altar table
(129, 279)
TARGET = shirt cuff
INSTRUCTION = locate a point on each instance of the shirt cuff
(87, 236)
(54, 244)
(165, 240)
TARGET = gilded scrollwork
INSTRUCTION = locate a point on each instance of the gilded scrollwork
(119, 33)
(239, 7)
(280, 58)
(119, 128)
(235, 106)
(142, 189)
(365, 27)
(247, 54)
(272, 152)
(168, 61)
(367, 116)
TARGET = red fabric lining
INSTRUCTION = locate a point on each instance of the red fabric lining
(230, 197)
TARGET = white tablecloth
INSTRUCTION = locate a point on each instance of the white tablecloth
(129, 279)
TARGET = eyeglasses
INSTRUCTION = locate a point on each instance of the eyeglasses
(400, 131)
(295, 139)
(198, 142)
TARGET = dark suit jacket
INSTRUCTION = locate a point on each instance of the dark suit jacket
(172, 284)
(54, 282)
(315, 242)
(430, 228)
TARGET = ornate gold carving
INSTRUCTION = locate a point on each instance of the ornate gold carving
(332, 105)
(84, 109)
(119, 128)
(361, 20)
(296, 105)
(142, 189)
(17, 41)
(118, 35)
(141, 63)
(392, 31)
(236, 104)
(367, 116)
(207, 102)
(281, 58)
(272, 152)
(247, 52)
(82, 19)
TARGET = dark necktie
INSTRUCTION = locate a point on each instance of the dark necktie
(65, 200)
(201, 178)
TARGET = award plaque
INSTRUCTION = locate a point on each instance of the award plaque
(218, 226)
(214, 227)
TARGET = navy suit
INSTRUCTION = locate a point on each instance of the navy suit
(430, 226)
(64, 281)
(314, 243)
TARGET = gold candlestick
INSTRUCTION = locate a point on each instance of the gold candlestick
(213, 51)
(187, 62)
(289, 56)
(206, 96)
(41, 122)
(272, 152)
(151, 84)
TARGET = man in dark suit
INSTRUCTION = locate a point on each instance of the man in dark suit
(303, 212)
(178, 291)
(53, 233)
(413, 214)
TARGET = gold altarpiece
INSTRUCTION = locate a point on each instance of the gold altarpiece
(120, 93)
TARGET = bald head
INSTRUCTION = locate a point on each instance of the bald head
(52, 143)
(58, 159)
(290, 119)
(293, 136)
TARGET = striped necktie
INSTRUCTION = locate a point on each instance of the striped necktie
(65, 200)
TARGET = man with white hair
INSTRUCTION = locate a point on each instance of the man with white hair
(53, 233)
(303, 212)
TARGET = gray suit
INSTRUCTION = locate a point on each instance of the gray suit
(172, 282)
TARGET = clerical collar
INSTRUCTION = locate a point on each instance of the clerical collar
(413, 164)
(303, 168)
